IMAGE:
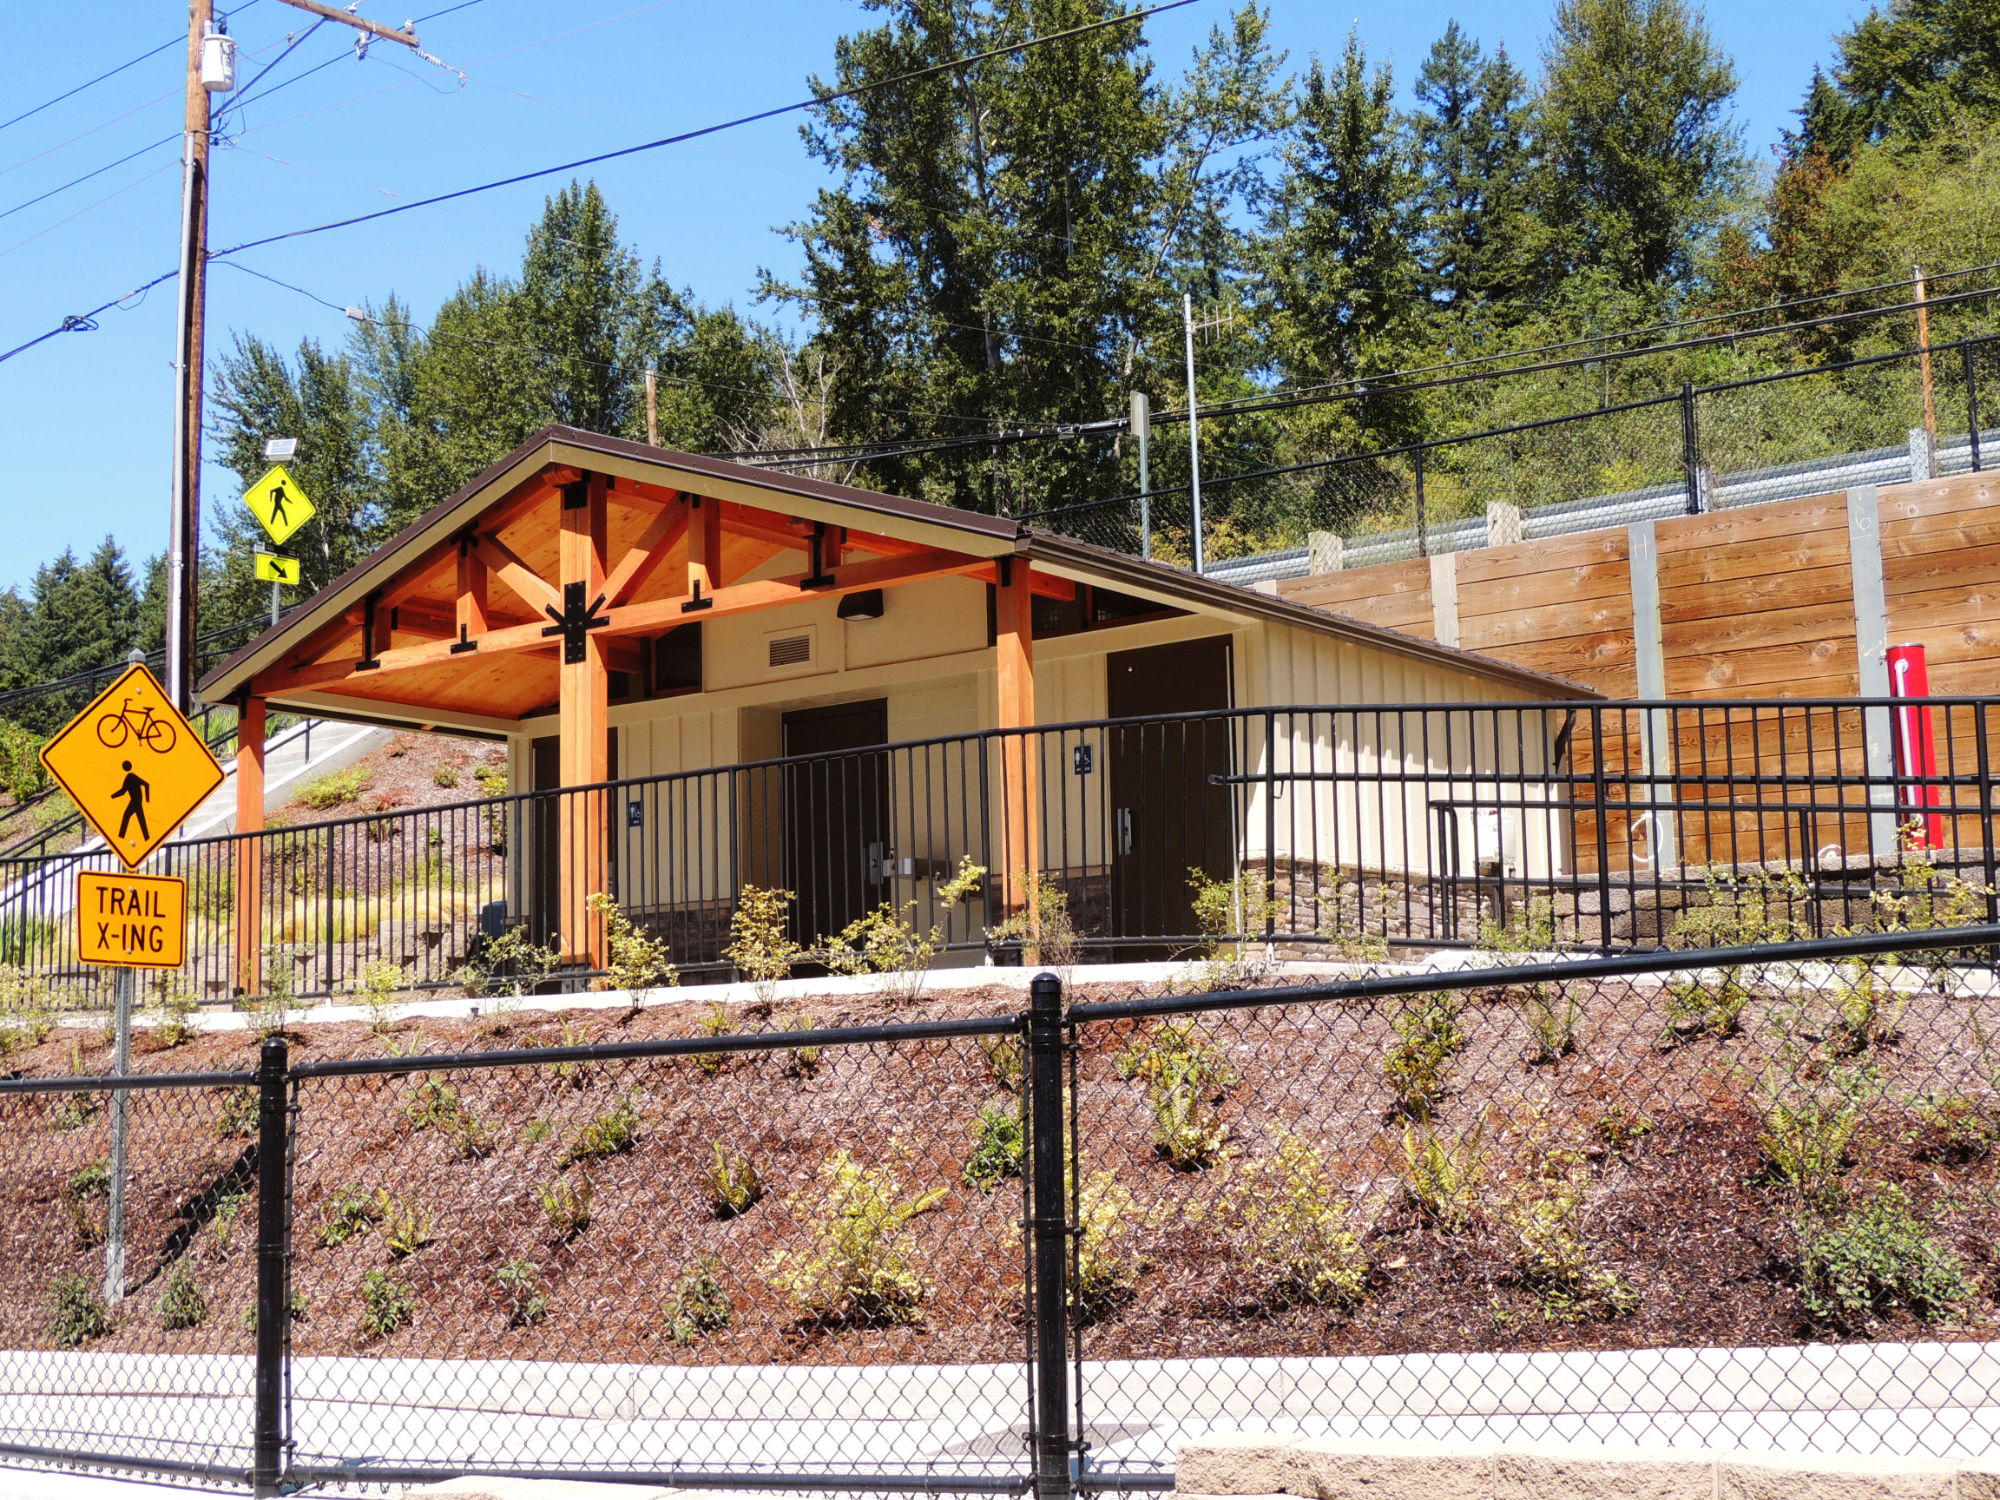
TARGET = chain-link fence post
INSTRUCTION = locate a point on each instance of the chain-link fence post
(273, 1271)
(1971, 402)
(1690, 449)
(1049, 1219)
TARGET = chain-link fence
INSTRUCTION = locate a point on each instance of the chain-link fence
(1742, 1197)
(1820, 427)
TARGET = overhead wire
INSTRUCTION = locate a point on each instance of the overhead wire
(178, 39)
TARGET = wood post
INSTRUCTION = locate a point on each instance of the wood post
(1019, 760)
(247, 867)
(583, 726)
(1503, 523)
(471, 607)
(1323, 552)
(704, 544)
(1444, 598)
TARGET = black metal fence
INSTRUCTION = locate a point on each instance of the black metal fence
(1310, 832)
(1744, 1197)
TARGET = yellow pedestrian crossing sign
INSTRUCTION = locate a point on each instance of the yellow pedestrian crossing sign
(132, 765)
(280, 506)
(273, 567)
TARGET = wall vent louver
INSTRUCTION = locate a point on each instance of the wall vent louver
(791, 650)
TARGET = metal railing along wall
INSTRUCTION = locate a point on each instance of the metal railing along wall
(1315, 831)
(1734, 1198)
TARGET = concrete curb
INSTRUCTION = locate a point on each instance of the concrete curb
(1242, 1465)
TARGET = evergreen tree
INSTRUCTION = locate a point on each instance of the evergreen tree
(1471, 142)
(1338, 276)
(1640, 161)
(79, 616)
(1904, 70)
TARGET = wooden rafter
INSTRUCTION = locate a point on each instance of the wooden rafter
(521, 580)
(645, 555)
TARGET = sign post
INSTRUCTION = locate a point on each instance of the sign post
(135, 768)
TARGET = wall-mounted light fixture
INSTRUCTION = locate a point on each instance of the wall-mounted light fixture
(863, 604)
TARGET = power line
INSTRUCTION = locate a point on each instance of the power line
(816, 102)
(85, 322)
(178, 40)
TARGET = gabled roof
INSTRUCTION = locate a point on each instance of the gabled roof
(636, 468)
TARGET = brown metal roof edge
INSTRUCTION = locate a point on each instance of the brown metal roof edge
(1162, 578)
(351, 585)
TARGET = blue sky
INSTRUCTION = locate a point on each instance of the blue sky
(86, 416)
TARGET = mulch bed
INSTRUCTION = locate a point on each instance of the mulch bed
(1684, 1213)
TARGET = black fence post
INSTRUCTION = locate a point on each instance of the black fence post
(273, 1269)
(1049, 1218)
(1690, 449)
(1971, 403)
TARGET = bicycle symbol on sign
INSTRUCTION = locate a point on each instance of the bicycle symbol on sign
(113, 730)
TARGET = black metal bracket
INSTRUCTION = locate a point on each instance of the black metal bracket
(576, 618)
(368, 663)
(697, 601)
(821, 578)
(576, 495)
(463, 643)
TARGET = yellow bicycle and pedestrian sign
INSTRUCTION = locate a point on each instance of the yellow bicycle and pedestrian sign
(132, 765)
(279, 504)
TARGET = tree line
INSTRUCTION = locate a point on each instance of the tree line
(1009, 244)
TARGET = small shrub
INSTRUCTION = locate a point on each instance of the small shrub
(1108, 1260)
(381, 987)
(1739, 911)
(1441, 1178)
(1187, 1130)
(1044, 928)
(1230, 914)
(177, 1009)
(634, 962)
(805, 1060)
(229, 1205)
(387, 1303)
(1878, 1257)
(614, 1131)
(509, 966)
(537, 1131)
(1553, 1014)
(1419, 1061)
(527, 1304)
(999, 1147)
(1290, 1223)
(351, 1212)
(1868, 1009)
(699, 1304)
(1527, 930)
(275, 1007)
(492, 780)
(77, 1314)
(1184, 1047)
(181, 1302)
(335, 788)
(446, 775)
(437, 1106)
(733, 1185)
(86, 1183)
(715, 1023)
(1951, 1127)
(886, 941)
(1621, 1126)
(1807, 1132)
(1702, 1007)
(1553, 1256)
(858, 1267)
(1005, 1061)
(760, 941)
(89, 1181)
(566, 1202)
(238, 1119)
(75, 1110)
(405, 1224)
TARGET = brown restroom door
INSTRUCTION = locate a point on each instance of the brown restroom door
(545, 835)
(836, 811)
(1167, 817)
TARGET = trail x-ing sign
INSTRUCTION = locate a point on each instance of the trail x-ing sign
(131, 921)
(280, 506)
(132, 765)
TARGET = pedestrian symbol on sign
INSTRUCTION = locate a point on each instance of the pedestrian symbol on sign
(136, 793)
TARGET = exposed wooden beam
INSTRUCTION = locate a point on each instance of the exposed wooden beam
(583, 729)
(772, 593)
(248, 874)
(704, 548)
(521, 580)
(1014, 652)
(469, 612)
(1045, 585)
(644, 557)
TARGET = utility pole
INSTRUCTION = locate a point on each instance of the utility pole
(184, 528)
(1142, 432)
(652, 408)
(1194, 425)
(206, 74)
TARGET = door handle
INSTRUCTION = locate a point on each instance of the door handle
(1124, 830)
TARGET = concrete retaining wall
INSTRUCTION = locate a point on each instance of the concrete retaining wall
(1258, 1464)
